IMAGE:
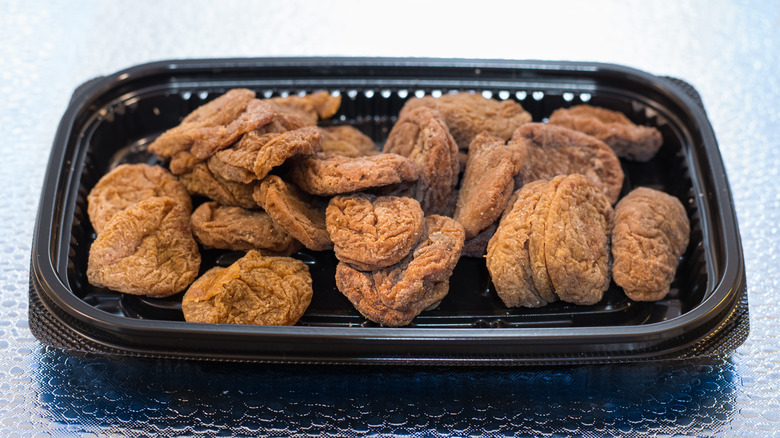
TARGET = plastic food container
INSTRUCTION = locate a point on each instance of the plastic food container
(111, 119)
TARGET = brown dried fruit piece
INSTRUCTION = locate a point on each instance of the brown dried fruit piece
(300, 142)
(255, 154)
(536, 242)
(126, 185)
(508, 255)
(348, 141)
(468, 114)
(310, 108)
(238, 229)
(555, 150)
(628, 140)
(298, 213)
(370, 232)
(487, 183)
(200, 181)
(146, 249)
(335, 174)
(219, 112)
(212, 139)
(651, 232)
(282, 122)
(576, 241)
(256, 289)
(184, 161)
(423, 137)
(395, 295)
(214, 126)
(552, 243)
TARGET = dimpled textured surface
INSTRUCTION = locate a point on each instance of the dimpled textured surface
(726, 51)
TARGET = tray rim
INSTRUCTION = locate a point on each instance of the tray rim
(724, 293)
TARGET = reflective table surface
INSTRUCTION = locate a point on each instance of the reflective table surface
(728, 52)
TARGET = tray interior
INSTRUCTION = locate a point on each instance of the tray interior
(119, 130)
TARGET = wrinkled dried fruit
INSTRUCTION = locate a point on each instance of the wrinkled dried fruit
(126, 185)
(310, 107)
(255, 155)
(239, 229)
(146, 249)
(508, 257)
(422, 136)
(298, 213)
(488, 183)
(370, 232)
(256, 289)
(553, 243)
(348, 141)
(334, 175)
(218, 113)
(651, 232)
(468, 114)
(576, 241)
(208, 140)
(201, 181)
(628, 140)
(555, 150)
(395, 295)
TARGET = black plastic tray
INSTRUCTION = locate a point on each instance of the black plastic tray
(110, 120)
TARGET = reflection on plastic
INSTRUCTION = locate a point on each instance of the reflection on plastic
(205, 399)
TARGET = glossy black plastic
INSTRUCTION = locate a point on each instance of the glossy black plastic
(111, 120)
